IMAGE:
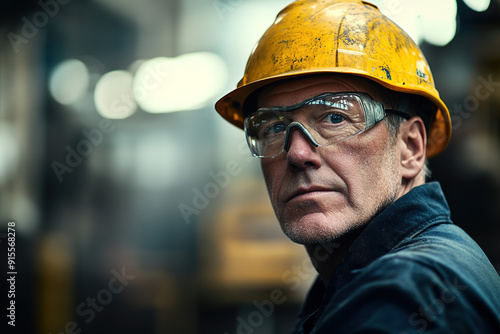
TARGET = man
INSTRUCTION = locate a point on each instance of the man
(340, 105)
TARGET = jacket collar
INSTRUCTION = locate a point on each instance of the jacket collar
(411, 214)
(420, 208)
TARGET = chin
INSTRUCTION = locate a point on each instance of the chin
(315, 228)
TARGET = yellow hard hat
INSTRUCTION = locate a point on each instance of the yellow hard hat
(339, 36)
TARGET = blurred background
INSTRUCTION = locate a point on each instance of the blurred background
(138, 209)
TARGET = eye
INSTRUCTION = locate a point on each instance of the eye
(334, 118)
(273, 129)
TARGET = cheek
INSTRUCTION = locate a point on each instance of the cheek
(272, 171)
(367, 167)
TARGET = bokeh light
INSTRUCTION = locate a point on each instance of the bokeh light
(113, 95)
(438, 22)
(186, 82)
(478, 5)
(429, 20)
(9, 151)
(69, 81)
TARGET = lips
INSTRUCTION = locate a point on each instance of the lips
(301, 191)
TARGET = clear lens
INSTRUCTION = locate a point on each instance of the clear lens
(329, 117)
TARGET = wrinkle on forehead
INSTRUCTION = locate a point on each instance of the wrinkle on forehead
(293, 91)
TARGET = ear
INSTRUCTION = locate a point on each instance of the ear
(413, 141)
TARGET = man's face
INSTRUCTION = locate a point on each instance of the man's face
(320, 193)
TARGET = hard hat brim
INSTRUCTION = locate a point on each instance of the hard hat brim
(230, 106)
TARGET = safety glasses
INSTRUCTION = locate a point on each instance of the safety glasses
(325, 119)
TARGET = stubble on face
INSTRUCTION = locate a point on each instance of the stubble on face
(361, 175)
(351, 208)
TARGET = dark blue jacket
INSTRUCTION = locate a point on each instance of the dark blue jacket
(410, 271)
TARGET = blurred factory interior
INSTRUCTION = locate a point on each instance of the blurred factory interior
(139, 210)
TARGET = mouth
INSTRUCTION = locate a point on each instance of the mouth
(306, 192)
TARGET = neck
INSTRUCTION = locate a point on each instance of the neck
(326, 256)
(408, 185)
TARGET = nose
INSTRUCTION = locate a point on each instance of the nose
(300, 146)
(303, 129)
